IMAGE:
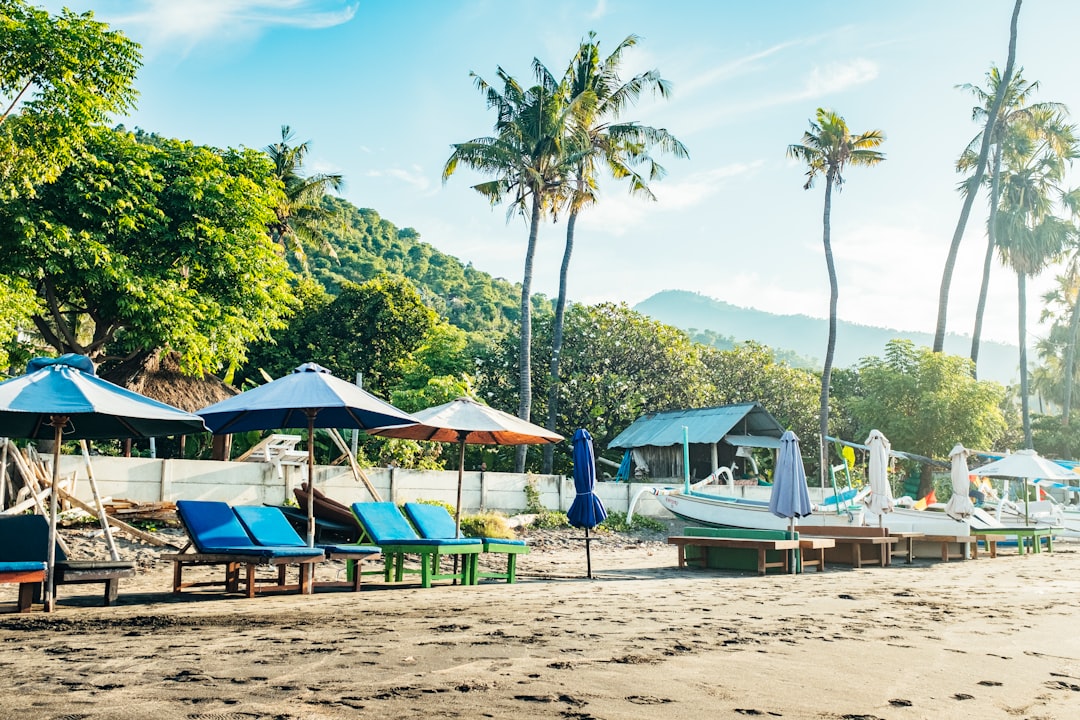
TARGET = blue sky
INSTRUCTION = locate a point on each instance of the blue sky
(382, 90)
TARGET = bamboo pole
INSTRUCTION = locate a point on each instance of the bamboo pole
(356, 471)
(102, 515)
(30, 478)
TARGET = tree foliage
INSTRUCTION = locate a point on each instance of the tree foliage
(60, 76)
(138, 247)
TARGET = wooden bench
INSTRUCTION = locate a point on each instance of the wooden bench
(759, 547)
(812, 551)
(990, 541)
(965, 545)
(905, 544)
(850, 541)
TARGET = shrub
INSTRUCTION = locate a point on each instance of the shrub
(533, 506)
(616, 522)
(488, 524)
(550, 520)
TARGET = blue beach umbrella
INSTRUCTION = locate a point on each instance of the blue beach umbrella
(62, 398)
(789, 499)
(586, 511)
(308, 397)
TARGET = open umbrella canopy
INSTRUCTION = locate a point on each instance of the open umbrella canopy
(62, 398)
(960, 505)
(790, 497)
(95, 409)
(308, 393)
(466, 420)
(586, 511)
(1024, 464)
(880, 500)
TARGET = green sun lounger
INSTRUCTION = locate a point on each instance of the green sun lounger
(385, 526)
(434, 521)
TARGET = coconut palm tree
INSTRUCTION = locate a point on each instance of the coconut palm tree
(1067, 297)
(1014, 106)
(827, 148)
(592, 84)
(300, 214)
(974, 181)
(1029, 236)
(528, 157)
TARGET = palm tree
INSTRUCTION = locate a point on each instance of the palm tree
(827, 148)
(599, 95)
(1067, 296)
(300, 214)
(1013, 107)
(528, 157)
(974, 181)
(1029, 236)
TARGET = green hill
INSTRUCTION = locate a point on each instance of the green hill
(805, 336)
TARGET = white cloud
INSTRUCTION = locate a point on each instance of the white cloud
(599, 11)
(191, 22)
(837, 77)
(414, 176)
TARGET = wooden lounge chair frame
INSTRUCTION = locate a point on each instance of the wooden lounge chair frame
(29, 576)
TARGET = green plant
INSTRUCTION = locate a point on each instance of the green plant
(616, 522)
(533, 506)
(550, 520)
(488, 524)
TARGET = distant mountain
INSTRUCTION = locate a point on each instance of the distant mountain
(806, 336)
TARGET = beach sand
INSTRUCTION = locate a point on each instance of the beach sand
(989, 638)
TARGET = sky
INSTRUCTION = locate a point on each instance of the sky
(382, 89)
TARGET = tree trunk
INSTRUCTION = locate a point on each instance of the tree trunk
(557, 342)
(1025, 411)
(1070, 360)
(988, 261)
(525, 357)
(976, 180)
(826, 373)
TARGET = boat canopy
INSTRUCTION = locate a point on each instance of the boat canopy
(754, 441)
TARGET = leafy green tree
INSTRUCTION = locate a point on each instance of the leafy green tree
(974, 181)
(1037, 150)
(300, 215)
(16, 302)
(750, 372)
(621, 146)
(925, 402)
(1013, 107)
(60, 76)
(827, 149)
(438, 371)
(528, 158)
(138, 247)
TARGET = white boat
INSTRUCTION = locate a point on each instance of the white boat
(705, 503)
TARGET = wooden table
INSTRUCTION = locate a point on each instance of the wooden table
(1032, 533)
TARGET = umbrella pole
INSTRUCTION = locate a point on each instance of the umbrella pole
(588, 555)
(311, 478)
(457, 508)
(58, 422)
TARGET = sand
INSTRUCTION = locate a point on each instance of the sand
(989, 638)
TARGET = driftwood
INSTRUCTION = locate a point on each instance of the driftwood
(356, 471)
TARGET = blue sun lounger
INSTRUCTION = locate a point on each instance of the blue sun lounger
(220, 539)
(434, 521)
(25, 539)
(385, 526)
(269, 526)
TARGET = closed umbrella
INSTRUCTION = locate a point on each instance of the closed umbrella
(62, 398)
(789, 497)
(880, 500)
(308, 397)
(959, 505)
(468, 422)
(586, 511)
(1027, 465)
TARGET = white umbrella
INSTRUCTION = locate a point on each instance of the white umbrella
(880, 500)
(960, 505)
(1026, 464)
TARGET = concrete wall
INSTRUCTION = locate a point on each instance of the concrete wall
(255, 483)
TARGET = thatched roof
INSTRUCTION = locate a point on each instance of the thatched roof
(159, 377)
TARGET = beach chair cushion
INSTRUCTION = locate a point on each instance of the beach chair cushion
(435, 521)
(269, 526)
(215, 530)
(385, 525)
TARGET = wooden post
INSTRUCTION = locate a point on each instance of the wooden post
(163, 484)
(102, 515)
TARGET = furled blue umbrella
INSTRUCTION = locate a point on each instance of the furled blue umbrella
(62, 398)
(308, 397)
(789, 499)
(586, 511)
